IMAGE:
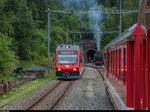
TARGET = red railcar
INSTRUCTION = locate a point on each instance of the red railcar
(69, 62)
(125, 69)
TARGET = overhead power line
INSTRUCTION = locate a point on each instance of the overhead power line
(95, 11)
(105, 32)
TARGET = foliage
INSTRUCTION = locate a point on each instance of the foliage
(112, 22)
(25, 24)
(7, 56)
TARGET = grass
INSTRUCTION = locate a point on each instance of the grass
(28, 64)
(7, 78)
(30, 87)
(24, 90)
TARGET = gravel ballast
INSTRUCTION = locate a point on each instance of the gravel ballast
(88, 93)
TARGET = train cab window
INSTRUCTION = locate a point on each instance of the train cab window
(67, 57)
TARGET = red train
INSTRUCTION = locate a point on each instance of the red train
(127, 68)
(127, 64)
(69, 62)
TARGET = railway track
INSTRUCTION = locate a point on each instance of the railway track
(49, 100)
(97, 68)
(52, 97)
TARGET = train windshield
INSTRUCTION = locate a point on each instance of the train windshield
(67, 57)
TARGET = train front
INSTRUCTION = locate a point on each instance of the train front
(98, 58)
(67, 62)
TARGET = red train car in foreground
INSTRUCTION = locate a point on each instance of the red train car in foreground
(127, 64)
(127, 70)
(69, 62)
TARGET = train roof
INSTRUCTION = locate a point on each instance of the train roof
(68, 47)
(121, 38)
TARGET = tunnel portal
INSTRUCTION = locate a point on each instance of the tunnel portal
(90, 54)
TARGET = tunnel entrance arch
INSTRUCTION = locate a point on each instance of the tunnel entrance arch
(90, 54)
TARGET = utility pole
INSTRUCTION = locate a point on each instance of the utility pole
(74, 39)
(80, 38)
(120, 17)
(48, 11)
(67, 33)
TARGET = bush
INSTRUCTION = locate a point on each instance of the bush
(7, 56)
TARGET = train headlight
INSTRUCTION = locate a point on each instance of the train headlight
(59, 69)
(74, 69)
(67, 47)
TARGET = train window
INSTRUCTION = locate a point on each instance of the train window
(123, 75)
(113, 64)
(116, 63)
(125, 56)
(109, 62)
(125, 66)
(67, 57)
(122, 64)
(105, 56)
(119, 68)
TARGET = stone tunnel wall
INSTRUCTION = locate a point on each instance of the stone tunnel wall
(89, 48)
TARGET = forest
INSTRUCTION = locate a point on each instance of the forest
(23, 28)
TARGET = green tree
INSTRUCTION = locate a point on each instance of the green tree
(107, 3)
(58, 37)
(38, 8)
(7, 18)
(129, 19)
(24, 30)
(7, 56)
